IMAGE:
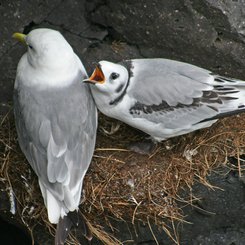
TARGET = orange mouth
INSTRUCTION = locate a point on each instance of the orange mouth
(97, 76)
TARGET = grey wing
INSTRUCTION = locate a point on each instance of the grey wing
(58, 142)
(24, 138)
(157, 80)
(173, 92)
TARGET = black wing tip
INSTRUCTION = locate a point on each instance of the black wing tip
(241, 109)
(73, 219)
(62, 230)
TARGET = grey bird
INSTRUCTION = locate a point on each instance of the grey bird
(56, 122)
(164, 98)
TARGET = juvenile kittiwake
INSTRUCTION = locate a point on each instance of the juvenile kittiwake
(56, 122)
(164, 98)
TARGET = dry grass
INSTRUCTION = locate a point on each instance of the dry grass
(125, 185)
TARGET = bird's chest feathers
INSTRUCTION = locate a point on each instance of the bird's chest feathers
(45, 78)
(119, 110)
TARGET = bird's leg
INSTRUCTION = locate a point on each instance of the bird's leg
(114, 128)
(143, 147)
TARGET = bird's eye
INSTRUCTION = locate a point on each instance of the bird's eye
(30, 46)
(114, 75)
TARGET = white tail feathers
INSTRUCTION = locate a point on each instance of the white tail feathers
(53, 207)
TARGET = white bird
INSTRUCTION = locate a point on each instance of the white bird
(56, 122)
(164, 98)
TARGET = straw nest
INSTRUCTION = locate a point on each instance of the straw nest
(126, 185)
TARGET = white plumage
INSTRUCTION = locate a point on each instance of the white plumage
(56, 121)
(164, 98)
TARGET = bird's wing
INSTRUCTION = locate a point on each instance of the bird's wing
(57, 135)
(173, 92)
(155, 80)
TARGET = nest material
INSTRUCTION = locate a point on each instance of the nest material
(126, 185)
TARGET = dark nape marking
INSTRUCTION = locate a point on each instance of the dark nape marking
(128, 65)
(119, 88)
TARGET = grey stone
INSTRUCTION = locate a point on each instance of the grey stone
(208, 33)
(222, 237)
(235, 12)
(110, 50)
(194, 31)
(70, 15)
(223, 211)
(15, 15)
(8, 65)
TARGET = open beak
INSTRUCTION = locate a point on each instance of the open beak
(96, 77)
(20, 37)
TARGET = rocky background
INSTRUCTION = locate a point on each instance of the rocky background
(207, 33)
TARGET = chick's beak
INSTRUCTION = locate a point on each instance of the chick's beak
(96, 77)
(20, 37)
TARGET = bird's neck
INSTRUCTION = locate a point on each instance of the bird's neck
(45, 77)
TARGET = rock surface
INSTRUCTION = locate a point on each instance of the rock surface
(208, 33)
(205, 33)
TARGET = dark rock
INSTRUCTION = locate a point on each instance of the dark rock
(109, 50)
(8, 66)
(222, 210)
(208, 33)
(203, 32)
(20, 237)
(222, 237)
(94, 34)
(234, 10)
(75, 21)
(15, 15)
(9, 224)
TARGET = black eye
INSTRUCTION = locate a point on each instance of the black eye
(114, 75)
(30, 46)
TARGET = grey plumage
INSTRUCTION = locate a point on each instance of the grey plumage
(180, 93)
(56, 122)
(55, 133)
(165, 98)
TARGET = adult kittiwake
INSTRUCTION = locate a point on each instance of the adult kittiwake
(56, 122)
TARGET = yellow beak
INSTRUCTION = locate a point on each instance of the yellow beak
(20, 37)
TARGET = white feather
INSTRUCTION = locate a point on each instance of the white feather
(53, 207)
(50, 63)
(166, 98)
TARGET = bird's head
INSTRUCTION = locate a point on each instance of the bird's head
(49, 60)
(46, 48)
(108, 81)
